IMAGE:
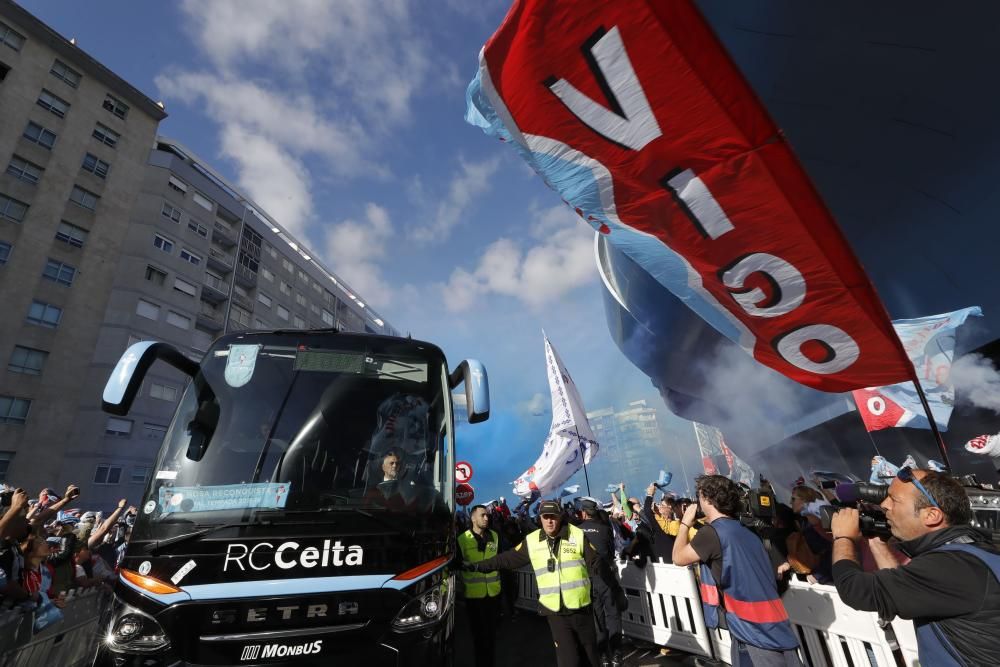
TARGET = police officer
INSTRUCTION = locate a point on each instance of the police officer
(482, 589)
(563, 562)
(738, 589)
(607, 617)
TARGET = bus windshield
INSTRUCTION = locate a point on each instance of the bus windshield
(306, 423)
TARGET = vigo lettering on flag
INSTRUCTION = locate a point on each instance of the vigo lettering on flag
(635, 115)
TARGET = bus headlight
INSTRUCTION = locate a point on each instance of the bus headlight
(428, 608)
(134, 631)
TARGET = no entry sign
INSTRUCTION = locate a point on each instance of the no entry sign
(463, 472)
(464, 494)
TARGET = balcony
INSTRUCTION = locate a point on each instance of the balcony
(246, 277)
(243, 301)
(223, 235)
(219, 260)
(214, 290)
(210, 318)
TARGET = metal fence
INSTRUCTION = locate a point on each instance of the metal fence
(664, 608)
(65, 643)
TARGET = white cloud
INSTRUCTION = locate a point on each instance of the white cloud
(559, 262)
(353, 248)
(472, 180)
(279, 183)
(373, 55)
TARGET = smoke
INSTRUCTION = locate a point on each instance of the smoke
(976, 382)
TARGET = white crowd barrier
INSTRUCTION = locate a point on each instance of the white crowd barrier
(664, 608)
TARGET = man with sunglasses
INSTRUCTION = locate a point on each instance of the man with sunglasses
(563, 562)
(481, 590)
(950, 587)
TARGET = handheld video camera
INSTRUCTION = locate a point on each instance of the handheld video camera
(866, 497)
(757, 508)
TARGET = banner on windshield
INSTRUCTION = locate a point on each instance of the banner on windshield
(633, 113)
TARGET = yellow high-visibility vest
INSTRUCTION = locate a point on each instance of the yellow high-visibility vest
(479, 584)
(570, 579)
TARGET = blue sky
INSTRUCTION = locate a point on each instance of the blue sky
(346, 126)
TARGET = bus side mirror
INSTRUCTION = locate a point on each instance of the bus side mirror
(127, 377)
(477, 388)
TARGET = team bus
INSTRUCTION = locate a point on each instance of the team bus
(301, 507)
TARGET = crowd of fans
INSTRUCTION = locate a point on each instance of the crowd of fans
(645, 530)
(52, 551)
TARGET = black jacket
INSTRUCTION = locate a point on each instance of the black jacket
(662, 543)
(518, 557)
(599, 534)
(955, 589)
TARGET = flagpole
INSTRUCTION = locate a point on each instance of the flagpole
(930, 418)
(583, 453)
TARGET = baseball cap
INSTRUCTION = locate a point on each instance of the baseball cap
(549, 507)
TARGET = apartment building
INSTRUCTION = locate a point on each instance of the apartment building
(74, 139)
(110, 234)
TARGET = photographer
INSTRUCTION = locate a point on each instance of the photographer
(738, 587)
(950, 588)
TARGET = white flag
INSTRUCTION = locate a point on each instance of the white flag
(570, 442)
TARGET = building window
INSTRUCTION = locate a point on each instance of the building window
(185, 287)
(163, 392)
(71, 234)
(148, 310)
(27, 360)
(314, 309)
(178, 320)
(171, 212)
(3, 71)
(140, 474)
(115, 106)
(189, 256)
(14, 410)
(154, 431)
(272, 251)
(198, 229)
(287, 264)
(24, 170)
(283, 312)
(285, 288)
(52, 103)
(202, 200)
(39, 135)
(215, 281)
(5, 459)
(12, 209)
(242, 291)
(259, 323)
(106, 135)
(317, 288)
(84, 198)
(11, 37)
(106, 473)
(327, 317)
(59, 272)
(299, 322)
(240, 315)
(177, 184)
(5, 249)
(155, 276)
(44, 314)
(64, 72)
(300, 299)
(267, 274)
(96, 166)
(264, 299)
(163, 243)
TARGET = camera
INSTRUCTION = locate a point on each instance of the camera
(757, 508)
(873, 522)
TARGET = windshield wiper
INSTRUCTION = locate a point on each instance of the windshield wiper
(155, 548)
